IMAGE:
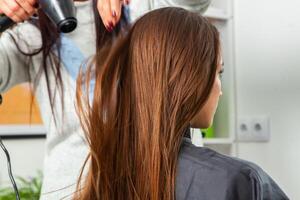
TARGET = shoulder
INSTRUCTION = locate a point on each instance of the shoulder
(204, 172)
(25, 34)
(197, 6)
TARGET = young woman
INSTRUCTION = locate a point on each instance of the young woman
(29, 52)
(151, 86)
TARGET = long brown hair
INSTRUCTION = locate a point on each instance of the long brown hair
(51, 43)
(155, 79)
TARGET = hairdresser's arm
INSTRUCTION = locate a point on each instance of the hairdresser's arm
(110, 11)
(18, 10)
(13, 68)
(198, 6)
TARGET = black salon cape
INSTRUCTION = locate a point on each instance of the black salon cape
(204, 174)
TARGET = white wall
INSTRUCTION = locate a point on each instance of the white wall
(26, 155)
(267, 36)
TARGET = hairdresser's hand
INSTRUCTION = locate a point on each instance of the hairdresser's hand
(18, 10)
(110, 12)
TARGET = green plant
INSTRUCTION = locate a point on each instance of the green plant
(29, 189)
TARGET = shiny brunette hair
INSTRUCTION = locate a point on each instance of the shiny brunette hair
(156, 77)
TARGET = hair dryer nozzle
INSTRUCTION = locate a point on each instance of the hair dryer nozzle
(67, 25)
(61, 12)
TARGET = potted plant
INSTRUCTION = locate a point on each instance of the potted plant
(29, 189)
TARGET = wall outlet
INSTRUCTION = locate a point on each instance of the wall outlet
(253, 129)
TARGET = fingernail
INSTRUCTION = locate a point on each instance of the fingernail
(114, 14)
(108, 28)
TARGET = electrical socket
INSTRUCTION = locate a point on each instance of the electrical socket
(253, 129)
(244, 129)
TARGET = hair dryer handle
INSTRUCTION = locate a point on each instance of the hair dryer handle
(5, 23)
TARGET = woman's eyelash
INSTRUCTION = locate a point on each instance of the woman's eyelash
(221, 73)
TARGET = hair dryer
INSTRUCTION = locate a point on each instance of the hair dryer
(60, 12)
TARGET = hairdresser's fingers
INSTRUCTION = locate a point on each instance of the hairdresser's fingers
(28, 5)
(116, 6)
(9, 9)
(104, 10)
(110, 12)
(17, 9)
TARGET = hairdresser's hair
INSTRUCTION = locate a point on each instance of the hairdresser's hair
(51, 43)
(156, 78)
